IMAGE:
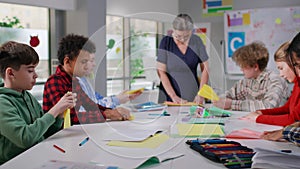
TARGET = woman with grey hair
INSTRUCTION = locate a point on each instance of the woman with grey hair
(178, 58)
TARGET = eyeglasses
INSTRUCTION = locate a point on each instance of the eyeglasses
(183, 36)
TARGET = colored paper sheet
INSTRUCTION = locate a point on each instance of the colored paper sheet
(200, 130)
(227, 2)
(148, 106)
(246, 19)
(168, 103)
(67, 119)
(135, 91)
(156, 160)
(244, 134)
(151, 142)
(216, 7)
(215, 111)
(131, 134)
(206, 121)
(207, 92)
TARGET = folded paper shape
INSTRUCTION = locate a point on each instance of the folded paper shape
(155, 160)
(207, 92)
(67, 119)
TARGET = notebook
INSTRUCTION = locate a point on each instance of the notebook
(148, 106)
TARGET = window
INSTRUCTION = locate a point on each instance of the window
(29, 25)
(115, 54)
(142, 44)
(129, 41)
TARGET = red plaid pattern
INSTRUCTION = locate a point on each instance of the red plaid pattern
(60, 83)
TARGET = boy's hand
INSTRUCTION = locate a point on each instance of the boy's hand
(275, 135)
(125, 96)
(296, 124)
(223, 103)
(66, 102)
(117, 114)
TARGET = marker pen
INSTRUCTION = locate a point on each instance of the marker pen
(84, 141)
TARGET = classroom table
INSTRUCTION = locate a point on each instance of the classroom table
(96, 152)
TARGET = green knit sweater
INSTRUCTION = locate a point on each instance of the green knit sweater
(22, 123)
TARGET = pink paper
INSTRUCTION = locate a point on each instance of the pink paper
(244, 134)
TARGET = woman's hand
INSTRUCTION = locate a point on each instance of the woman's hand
(177, 99)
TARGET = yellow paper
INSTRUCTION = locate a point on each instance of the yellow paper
(208, 93)
(168, 103)
(246, 19)
(227, 2)
(131, 117)
(135, 91)
(67, 119)
(151, 142)
(200, 130)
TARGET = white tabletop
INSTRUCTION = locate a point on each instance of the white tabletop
(96, 150)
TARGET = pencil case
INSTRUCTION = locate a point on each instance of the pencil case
(231, 153)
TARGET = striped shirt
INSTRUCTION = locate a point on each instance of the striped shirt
(292, 134)
(268, 90)
(109, 101)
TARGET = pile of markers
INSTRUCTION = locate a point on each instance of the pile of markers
(232, 154)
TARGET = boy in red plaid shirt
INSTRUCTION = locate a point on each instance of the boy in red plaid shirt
(74, 54)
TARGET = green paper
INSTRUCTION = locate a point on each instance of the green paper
(215, 111)
(192, 110)
(149, 162)
(155, 160)
(206, 113)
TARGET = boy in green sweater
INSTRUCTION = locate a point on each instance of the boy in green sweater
(22, 121)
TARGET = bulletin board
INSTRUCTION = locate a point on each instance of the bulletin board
(272, 26)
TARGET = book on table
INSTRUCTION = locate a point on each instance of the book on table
(147, 106)
(265, 158)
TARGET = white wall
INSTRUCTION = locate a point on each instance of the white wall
(194, 8)
(145, 9)
(89, 20)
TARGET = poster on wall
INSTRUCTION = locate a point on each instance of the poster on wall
(215, 7)
(266, 25)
